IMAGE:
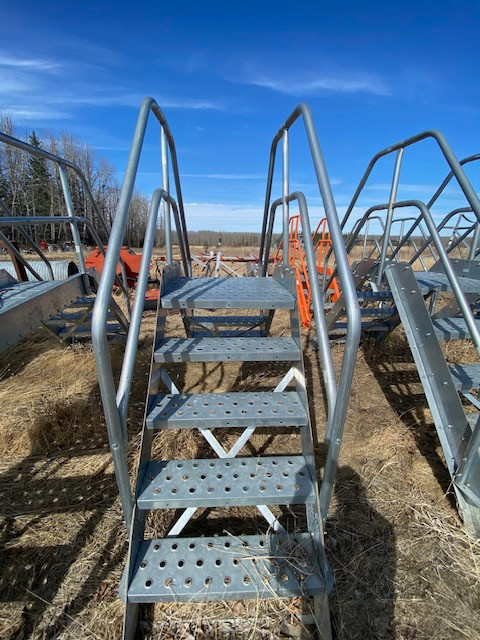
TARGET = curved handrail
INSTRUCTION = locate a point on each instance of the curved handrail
(335, 423)
(453, 162)
(115, 415)
(24, 146)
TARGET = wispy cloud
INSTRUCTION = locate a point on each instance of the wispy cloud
(31, 64)
(39, 89)
(339, 82)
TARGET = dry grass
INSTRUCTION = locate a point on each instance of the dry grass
(403, 566)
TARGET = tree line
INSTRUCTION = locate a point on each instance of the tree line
(30, 186)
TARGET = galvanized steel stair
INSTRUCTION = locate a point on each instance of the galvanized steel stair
(458, 429)
(278, 561)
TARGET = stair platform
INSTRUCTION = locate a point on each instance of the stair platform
(24, 306)
(227, 568)
(175, 484)
(229, 321)
(227, 293)
(208, 410)
(232, 349)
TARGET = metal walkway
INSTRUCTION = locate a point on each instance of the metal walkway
(36, 297)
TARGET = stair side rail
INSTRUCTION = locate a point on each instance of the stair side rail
(115, 401)
(7, 219)
(337, 395)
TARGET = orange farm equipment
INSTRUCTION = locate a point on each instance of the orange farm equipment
(297, 260)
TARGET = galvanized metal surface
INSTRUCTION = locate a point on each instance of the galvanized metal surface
(227, 293)
(226, 349)
(439, 281)
(26, 305)
(239, 409)
(62, 269)
(440, 383)
(226, 483)
(452, 328)
(226, 568)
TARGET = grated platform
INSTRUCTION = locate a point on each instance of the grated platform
(226, 349)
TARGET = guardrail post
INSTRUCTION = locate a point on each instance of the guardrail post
(166, 205)
(388, 224)
(285, 192)
(73, 225)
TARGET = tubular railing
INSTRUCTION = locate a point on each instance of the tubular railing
(72, 218)
(455, 171)
(337, 396)
(115, 401)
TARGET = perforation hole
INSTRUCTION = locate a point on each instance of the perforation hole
(218, 562)
(174, 546)
(199, 563)
(191, 490)
(191, 545)
(162, 564)
(208, 581)
(143, 564)
(181, 563)
(227, 580)
(227, 489)
(227, 544)
(246, 580)
(168, 583)
(156, 547)
(148, 583)
(188, 582)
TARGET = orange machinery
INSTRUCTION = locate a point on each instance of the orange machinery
(297, 260)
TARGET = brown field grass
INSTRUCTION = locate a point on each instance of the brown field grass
(403, 565)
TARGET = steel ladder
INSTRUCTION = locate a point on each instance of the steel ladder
(279, 560)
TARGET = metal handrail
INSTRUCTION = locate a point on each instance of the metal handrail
(336, 420)
(72, 218)
(115, 413)
(455, 171)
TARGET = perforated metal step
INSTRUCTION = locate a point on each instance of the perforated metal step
(229, 321)
(227, 293)
(227, 568)
(376, 312)
(205, 410)
(227, 349)
(439, 281)
(452, 328)
(226, 482)
(466, 376)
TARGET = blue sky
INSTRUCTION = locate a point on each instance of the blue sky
(228, 74)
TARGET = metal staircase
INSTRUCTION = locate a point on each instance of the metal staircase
(278, 560)
(33, 299)
(225, 320)
(433, 306)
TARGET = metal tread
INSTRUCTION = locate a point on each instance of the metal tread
(229, 321)
(452, 328)
(241, 349)
(432, 280)
(466, 376)
(227, 568)
(227, 293)
(374, 295)
(242, 409)
(226, 482)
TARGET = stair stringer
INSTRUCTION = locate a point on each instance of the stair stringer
(448, 414)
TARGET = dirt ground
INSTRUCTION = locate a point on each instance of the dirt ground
(403, 565)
